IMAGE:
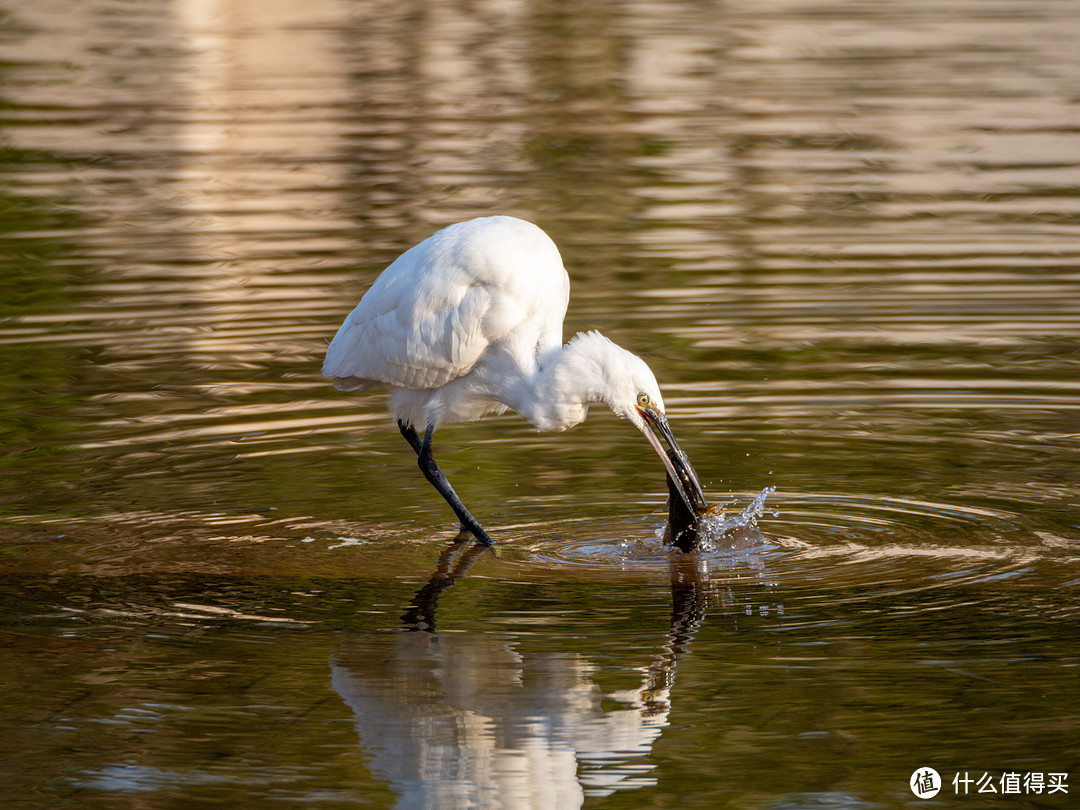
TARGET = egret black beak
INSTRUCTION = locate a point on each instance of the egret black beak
(659, 434)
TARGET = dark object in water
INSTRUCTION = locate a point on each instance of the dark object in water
(686, 498)
(682, 525)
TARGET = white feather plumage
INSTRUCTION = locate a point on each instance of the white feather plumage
(469, 322)
(476, 298)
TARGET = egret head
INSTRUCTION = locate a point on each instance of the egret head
(626, 384)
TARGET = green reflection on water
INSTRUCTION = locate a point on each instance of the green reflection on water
(764, 690)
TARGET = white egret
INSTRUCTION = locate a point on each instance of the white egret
(469, 322)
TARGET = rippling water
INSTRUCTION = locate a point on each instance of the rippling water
(844, 234)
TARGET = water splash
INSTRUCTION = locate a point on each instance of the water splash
(719, 531)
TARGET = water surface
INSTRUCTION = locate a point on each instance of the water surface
(843, 234)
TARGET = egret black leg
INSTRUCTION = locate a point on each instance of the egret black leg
(437, 478)
(411, 436)
(409, 432)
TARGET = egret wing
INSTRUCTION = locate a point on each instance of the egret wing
(418, 342)
(431, 315)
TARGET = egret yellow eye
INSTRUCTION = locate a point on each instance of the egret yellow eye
(643, 400)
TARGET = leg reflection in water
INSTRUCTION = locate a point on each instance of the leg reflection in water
(454, 563)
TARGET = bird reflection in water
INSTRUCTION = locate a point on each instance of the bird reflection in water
(473, 720)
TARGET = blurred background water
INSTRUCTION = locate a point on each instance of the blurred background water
(844, 234)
